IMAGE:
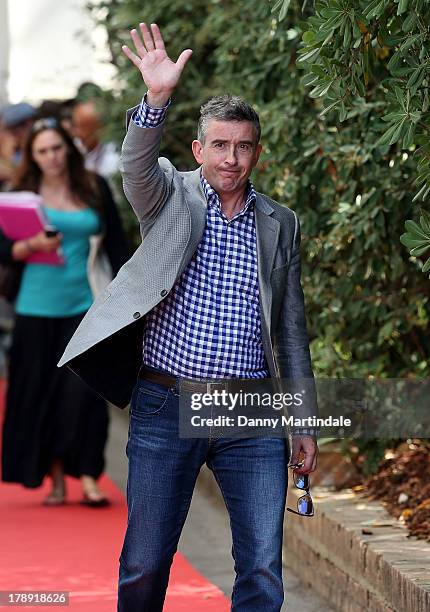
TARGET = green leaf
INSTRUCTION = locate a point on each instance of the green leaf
(359, 86)
(370, 7)
(414, 229)
(409, 138)
(398, 132)
(347, 36)
(355, 29)
(395, 60)
(342, 112)
(310, 79)
(415, 77)
(409, 22)
(403, 7)
(426, 266)
(311, 55)
(320, 90)
(393, 117)
(422, 193)
(391, 135)
(329, 108)
(417, 251)
(409, 42)
(400, 96)
(425, 101)
(284, 10)
(376, 11)
(425, 221)
(282, 6)
(328, 38)
(308, 37)
(411, 242)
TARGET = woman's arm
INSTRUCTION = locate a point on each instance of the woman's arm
(14, 250)
(39, 243)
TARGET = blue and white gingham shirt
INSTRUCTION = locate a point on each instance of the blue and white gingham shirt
(209, 325)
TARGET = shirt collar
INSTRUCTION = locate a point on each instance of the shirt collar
(213, 200)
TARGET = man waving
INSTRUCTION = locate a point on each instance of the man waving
(213, 292)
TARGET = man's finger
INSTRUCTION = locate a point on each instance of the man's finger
(131, 56)
(295, 456)
(137, 43)
(183, 58)
(311, 453)
(306, 467)
(158, 39)
(147, 37)
(308, 450)
(315, 461)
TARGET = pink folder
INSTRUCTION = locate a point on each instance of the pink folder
(22, 216)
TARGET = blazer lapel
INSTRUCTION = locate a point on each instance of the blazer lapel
(267, 232)
(197, 207)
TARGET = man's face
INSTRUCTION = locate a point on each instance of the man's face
(86, 125)
(228, 155)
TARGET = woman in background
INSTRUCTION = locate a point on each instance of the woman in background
(54, 423)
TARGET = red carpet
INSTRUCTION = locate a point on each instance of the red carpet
(76, 549)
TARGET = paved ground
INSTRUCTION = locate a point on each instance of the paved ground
(206, 540)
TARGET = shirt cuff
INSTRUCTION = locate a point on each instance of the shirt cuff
(149, 117)
(305, 432)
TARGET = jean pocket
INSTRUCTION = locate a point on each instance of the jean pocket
(149, 398)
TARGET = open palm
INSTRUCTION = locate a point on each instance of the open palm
(159, 72)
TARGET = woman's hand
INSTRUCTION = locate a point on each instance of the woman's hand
(42, 244)
(39, 243)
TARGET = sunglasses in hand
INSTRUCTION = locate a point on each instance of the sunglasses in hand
(305, 504)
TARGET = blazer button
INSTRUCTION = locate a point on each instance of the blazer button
(164, 292)
(136, 315)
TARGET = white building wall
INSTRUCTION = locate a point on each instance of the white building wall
(54, 47)
(4, 51)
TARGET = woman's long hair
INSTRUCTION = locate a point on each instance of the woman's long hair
(82, 183)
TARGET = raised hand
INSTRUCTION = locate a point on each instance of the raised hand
(159, 72)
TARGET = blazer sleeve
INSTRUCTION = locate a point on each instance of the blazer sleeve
(147, 180)
(293, 353)
(292, 342)
(115, 241)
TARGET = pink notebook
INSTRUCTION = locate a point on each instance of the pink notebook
(22, 216)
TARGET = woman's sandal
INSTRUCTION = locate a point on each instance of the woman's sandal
(95, 499)
(57, 497)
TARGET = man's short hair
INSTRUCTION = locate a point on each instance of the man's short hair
(227, 108)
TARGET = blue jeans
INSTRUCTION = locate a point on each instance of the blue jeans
(252, 475)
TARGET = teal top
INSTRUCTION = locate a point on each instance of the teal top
(61, 291)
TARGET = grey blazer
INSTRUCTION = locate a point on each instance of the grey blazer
(106, 349)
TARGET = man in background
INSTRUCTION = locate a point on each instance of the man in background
(16, 121)
(100, 157)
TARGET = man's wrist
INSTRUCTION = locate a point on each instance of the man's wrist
(159, 99)
(301, 434)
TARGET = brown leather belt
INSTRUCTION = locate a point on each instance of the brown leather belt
(195, 386)
(158, 377)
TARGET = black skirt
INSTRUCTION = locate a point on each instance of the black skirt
(50, 412)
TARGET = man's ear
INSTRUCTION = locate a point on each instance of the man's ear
(257, 153)
(197, 149)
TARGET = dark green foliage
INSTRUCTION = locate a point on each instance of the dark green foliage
(375, 57)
